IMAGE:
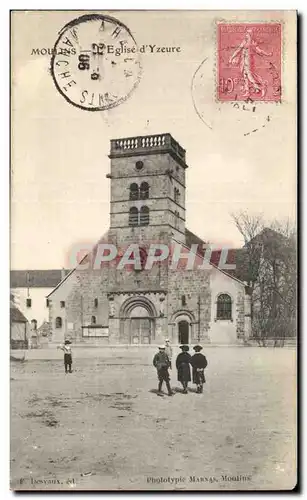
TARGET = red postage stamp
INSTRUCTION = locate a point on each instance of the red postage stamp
(249, 61)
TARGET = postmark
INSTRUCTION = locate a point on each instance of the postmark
(231, 118)
(96, 63)
(249, 62)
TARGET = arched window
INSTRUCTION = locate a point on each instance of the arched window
(144, 191)
(133, 216)
(224, 307)
(144, 216)
(134, 191)
(93, 320)
(58, 322)
(95, 302)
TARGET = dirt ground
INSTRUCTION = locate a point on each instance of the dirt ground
(103, 426)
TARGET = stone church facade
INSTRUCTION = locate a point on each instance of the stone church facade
(113, 305)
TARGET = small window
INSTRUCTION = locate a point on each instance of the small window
(93, 320)
(95, 302)
(34, 324)
(47, 302)
(143, 257)
(29, 302)
(139, 165)
(62, 303)
(183, 300)
(133, 216)
(224, 307)
(144, 191)
(134, 191)
(58, 322)
(144, 216)
(176, 195)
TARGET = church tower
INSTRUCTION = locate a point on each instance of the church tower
(147, 190)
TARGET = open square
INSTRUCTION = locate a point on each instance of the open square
(103, 426)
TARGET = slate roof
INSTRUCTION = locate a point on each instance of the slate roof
(16, 315)
(45, 278)
(237, 256)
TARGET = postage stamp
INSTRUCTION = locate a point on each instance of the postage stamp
(249, 61)
(95, 63)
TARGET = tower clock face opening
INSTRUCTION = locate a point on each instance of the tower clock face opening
(139, 165)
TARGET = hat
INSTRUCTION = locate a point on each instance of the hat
(67, 341)
(166, 340)
(161, 347)
(197, 348)
(184, 347)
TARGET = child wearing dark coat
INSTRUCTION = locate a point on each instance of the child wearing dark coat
(199, 363)
(162, 363)
(183, 367)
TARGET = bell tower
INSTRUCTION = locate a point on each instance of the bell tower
(147, 189)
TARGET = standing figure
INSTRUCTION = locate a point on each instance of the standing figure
(244, 56)
(199, 363)
(183, 366)
(162, 363)
(169, 352)
(67, 355)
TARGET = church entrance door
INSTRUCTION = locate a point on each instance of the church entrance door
(141, 326)
(183, 332)
(140, 330)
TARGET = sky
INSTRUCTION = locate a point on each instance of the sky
(59, 191)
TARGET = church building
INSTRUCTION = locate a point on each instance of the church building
(115, 305)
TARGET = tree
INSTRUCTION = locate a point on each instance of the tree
(270, 272)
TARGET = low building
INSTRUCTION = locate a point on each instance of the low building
(31, 288)
(19, 328)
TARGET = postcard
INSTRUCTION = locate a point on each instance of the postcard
(153, 250)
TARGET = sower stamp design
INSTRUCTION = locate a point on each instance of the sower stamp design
(96, 63)
(249, 62)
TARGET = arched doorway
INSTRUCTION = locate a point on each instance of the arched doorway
(183, 332)
(137, 324)
(141, 326)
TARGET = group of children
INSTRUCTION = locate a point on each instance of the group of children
(162, 361)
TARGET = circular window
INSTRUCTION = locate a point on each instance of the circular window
(139, 165)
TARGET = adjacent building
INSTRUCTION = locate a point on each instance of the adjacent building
(30, 289)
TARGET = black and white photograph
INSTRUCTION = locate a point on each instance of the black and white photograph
(153, 250)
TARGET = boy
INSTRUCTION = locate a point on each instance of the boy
(67, 355)
(199, 363)
(162, 363)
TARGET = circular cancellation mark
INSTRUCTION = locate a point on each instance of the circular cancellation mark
(96, 62)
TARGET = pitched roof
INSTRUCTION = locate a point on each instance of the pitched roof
(191, 238)
(16, 315)
(45, 278)
(235, 256)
